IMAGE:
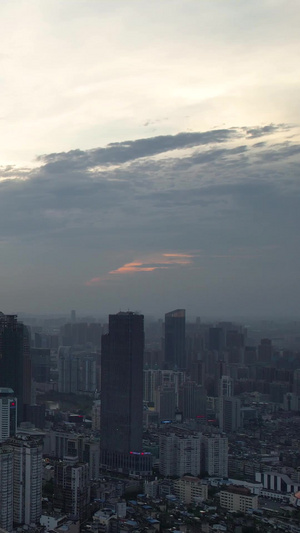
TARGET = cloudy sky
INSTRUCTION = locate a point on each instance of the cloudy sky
(150, 156)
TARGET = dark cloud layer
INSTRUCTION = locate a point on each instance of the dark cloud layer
(217, 199)
(118, 153)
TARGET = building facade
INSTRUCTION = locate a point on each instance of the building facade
(180, 454)
(230, 414)
(216, 455)
(27, 483)
(6, 487)
(122, 395)
(175, 353)
(72, 488)
(190, 490)
(8, 413)
(240, 499)
(15, 362)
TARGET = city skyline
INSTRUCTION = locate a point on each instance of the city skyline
(150, 157)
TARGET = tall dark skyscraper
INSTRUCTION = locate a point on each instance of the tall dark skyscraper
(175, 356)
(122, 395)
(15, 366)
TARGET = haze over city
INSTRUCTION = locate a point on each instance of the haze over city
(150, 157)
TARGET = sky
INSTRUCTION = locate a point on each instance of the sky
(150, 157)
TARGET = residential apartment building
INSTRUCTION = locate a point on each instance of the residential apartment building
(6, 487)
(72, 488)
(180, 453)
(8, 413)
(216, 455)
(236, 498)
(27, 482)
(190, 489)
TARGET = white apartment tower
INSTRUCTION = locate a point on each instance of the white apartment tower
(180, 453)
(216, 455)
(27, 483)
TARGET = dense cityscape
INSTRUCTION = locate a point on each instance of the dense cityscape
(149, 425)
(149, 266)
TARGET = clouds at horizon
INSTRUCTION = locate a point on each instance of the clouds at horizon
(181, 206)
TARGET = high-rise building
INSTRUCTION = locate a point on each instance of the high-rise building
(8, 414)
(81, 334)
(175, 355)
(153, 379)
(230, 414)
(91, 456)
(216, 455)
(72, 488)
(41, 363)
(165, 402)
(192, 400)
(265, 351)
(226, 386)
(296, 382)
(216, 339)
(76, 371)
(27, 483)
(15, 363)
(122, 395)
(180, 453)
(68, 372)
(88, 375)
(96, 414)
(6, 487)
(229, 406)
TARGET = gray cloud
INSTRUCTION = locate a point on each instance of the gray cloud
(217, 199)
(78, 194)
(118, 153)
(266, 130)
(127, 151)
